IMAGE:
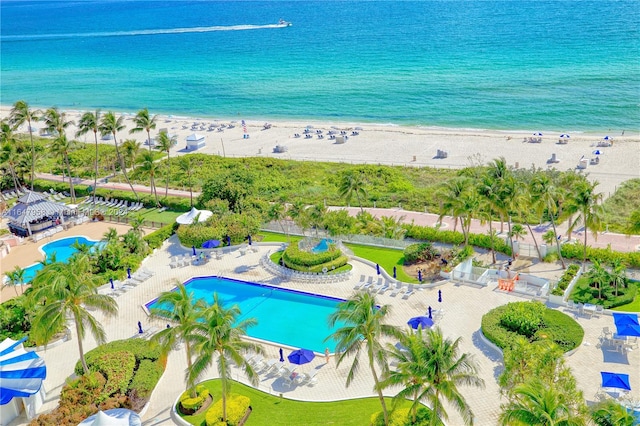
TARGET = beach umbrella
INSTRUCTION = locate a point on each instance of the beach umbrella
(112, 285)
(439, 295)
(113, 417)
(378, 269)
(281, 355)
(140, 330)
(625, 319)
(209, 244)
(394, 272)
(424, 322)
(193, 248)
(565, 136)
(419, 275)
(21, 372)
(615, 380)
(631, 330)
(301, 356)
(129, 273)
(606, 138)
(537, 134)
(597, 152)
(430, 313)
(250, 241)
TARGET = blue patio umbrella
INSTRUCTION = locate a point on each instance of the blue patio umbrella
(439, 295)
(430, 314)
(112, 285)
(631, 330)
(129, 273)
(394, 272)
(228, 240)
(250, 241)
(193, 248)
(625, 319)
(281, 355)
(209, 244)
(21, 372)
(378, 269)
(301, 356)
(615, 380)
(140, 330)
(419, 275)
(424, 322)
(606, 138)
(598, 152)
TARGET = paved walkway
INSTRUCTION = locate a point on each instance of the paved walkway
(617, 242)
(463, 305)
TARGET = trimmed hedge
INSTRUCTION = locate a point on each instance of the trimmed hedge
(553, 325)
(141, 349)
(603, 255)
(146, 377)
(567, 276)
(237, 406)
(402, 417)
(426, 233)
(522, 318)
(294, 255)
(157, 237)
(584, 293)
(118, 368)
(191, 404)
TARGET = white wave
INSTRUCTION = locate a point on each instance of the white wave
(142, 32)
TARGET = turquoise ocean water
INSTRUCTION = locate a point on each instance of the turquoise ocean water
(518, 65)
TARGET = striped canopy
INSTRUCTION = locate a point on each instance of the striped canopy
(21, 372)
(33, 206)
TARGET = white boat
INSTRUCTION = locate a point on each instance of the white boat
(282, 23)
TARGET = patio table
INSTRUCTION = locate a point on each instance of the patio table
(589, 309)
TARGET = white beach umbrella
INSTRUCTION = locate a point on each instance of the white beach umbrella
(113, 417)
(189, 217)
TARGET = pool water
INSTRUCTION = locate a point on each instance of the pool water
(63, 250)
(322, 246)
(285, 317)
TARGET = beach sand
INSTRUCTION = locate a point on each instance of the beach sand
(397, 145)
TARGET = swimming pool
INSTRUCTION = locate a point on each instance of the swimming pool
(285, 317)
(322, 246)
(63, 250)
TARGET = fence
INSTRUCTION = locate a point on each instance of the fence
(125, 221)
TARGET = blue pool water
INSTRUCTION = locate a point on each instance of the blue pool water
(285, 317)
(322, 246)
(63, 251)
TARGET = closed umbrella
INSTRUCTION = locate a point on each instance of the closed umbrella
(129, 273)
(439, 295)
(394, 272)
(430, 313)
(193, 248)
(378, 269)
(424, 322)
(112, 285)
(419, 275)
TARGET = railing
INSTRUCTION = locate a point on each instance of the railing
(125, 220)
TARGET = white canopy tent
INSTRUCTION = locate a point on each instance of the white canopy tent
(189, 217)
(195, 141)
(113, 417)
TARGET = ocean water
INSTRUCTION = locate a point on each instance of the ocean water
(530, 65)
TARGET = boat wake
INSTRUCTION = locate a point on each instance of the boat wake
(142, 32)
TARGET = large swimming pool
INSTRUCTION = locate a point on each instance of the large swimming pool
(285, 317)
(63, 251)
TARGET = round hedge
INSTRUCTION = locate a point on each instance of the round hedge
(552, 325)
(300, 260)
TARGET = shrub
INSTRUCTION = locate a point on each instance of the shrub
(196, 234)
(157, 237)
(146, 377)
(237, 406)
(565, 280)
(118, 368)
(584, 293)
(522, 317)
(140, 348)
(190, 404)
(561, 329)
(419, 253)
(603, 255)
(294, 257)
(425, 233)
(402, 417)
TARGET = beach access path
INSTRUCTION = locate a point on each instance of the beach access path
(618, 242)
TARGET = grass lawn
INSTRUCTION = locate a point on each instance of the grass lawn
(387, 258)
(271, 410)
(633, 306)
(153, 215)
(274, 237)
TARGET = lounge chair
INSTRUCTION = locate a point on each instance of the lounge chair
(409, 292)
(360, 283)
(273, 366)
(396, 290)
(378, 285)
(173, 263)
(368, 284)
(385, 287)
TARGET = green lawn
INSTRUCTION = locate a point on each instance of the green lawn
(272, 410)
(633, 306)
(153, 215)
(274, 237)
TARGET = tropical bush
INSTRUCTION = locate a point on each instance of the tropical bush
(402, 417)
(190, 404)
(146, 378)
(237, 406)
(551, 325)
(157, 237)
(565, 279)
(420, 252)
(425, 233)
(301, 260)
(14, 321)
(575, 250)
(584, 292)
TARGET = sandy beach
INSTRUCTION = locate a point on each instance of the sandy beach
(395, 145)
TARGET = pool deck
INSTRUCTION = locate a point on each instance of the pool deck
(463, 305)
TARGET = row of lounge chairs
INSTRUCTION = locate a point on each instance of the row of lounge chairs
(14, 194)
(119, 287)
(276, 368)
(121, 207)
(382, 285)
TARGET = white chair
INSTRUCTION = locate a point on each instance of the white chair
(409, 292)
(397, 290)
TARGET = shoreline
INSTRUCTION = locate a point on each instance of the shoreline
(395, 145)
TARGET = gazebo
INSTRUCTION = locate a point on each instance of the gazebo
(195, 141)
(33, 213)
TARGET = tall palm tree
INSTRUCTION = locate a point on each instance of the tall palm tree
(447, 369)
(15, 278)
(488, 190)
(469, 204)
(144, 121)
(130, 150)
(278, 212)
(61, 147)
(544, 195)
(69, 291)
(90, 122)
(449, 194)
(221, 334)
(586, 200)
(535, 404)
(186, 165)
(148, 167)
(353, 183)
(316, 216)
(165, 142)
(611, 413)
(363, 329)
(109, 124)
(20, 114)
(185, 313)
(618, 275)
(9, 152)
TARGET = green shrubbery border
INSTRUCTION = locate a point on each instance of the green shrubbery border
(575, 250)
(426, 233)
(584, 293)
(565, 279)
(237, 406)
(300, 260)
(554, 325)
(157, 237)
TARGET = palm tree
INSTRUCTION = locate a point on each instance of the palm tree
(611, 413)
(90, 122)
(185, 312)
(586, 202)
(130, 150)
(144, 121)
(618, 275)
(165, 142)
(15, 278)
(352, 183)
(535, 404)
(69, 291)
(391, 227)
(469, 204)
(447, 369)
(633, 223)
(221, 334)
(62, 147)
(9, 152)
(277, 211)
(450, 194)
(111, 235)
(20, 114)
(363, 328)
(518, 232)
(599, 276)
(316, 214)
(544, 194)
(109, 124)
(185, 165)
(149, 167)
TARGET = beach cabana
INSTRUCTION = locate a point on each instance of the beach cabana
(190, 217)
(21, 376)
(113, 417)
(195, 141)
(33, 213)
